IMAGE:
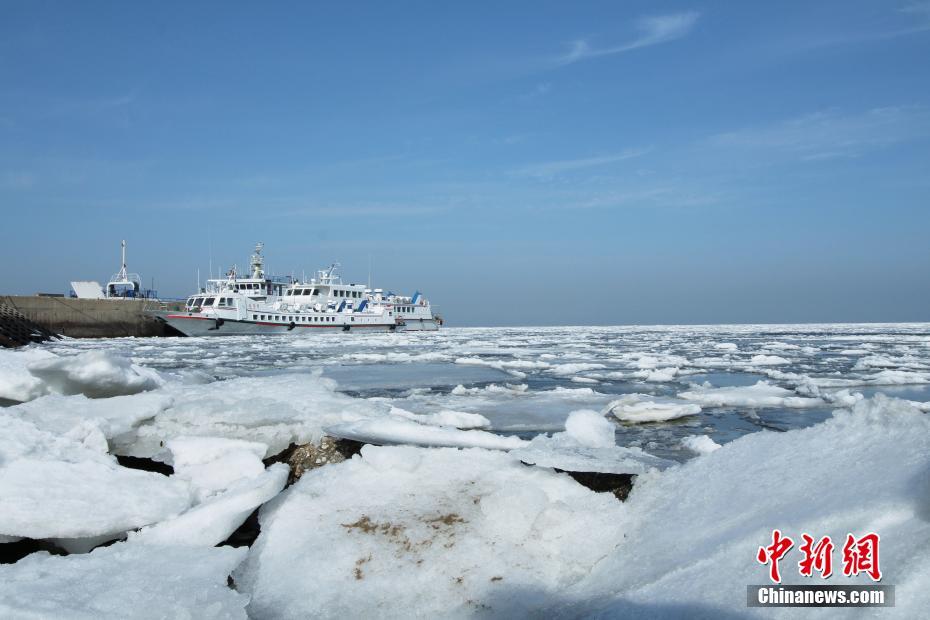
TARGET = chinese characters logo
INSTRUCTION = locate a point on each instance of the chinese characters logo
(860, 555)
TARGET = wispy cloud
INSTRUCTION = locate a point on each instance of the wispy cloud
(911, 19)
(551, 169)
(831, 134)
(363, 210)
(17, 180)
(651, 31)
(672, 195)
(920, 9)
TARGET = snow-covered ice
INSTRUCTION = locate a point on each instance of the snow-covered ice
(644, 408)
(124, 581)
(96, 374)
(394, 431)
(229, 480)
(445, 417)
(700, 444)
(17, 384)
(762, 394)
(426, 532)
(218, 516)
(276, 411)
(860, 471)
(587, 445)
(402, 531)
(55, 487)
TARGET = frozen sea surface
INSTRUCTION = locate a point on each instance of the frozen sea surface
(731, 430)
(528, 380)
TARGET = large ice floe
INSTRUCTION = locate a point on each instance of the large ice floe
(33, 372)
(229, 481)
(483, 535)
(645, 408)
(587, 445)
(124, 581)
(276, 411)
(55, 487)
(17, 384)
(689, 552)
(402, 431)
(762, 394)
(402, 531)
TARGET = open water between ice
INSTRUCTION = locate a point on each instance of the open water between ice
(527, 380)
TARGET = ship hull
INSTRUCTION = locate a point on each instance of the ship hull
(203, 326)
(420, 325)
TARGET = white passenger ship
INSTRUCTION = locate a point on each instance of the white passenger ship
(265, 305)
(327, 290)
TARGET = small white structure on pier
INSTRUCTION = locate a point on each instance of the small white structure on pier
(122, 285)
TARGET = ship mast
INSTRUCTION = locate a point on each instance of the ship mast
(122, 276)
(258, 262)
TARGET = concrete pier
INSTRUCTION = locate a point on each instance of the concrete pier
(93, 318)
(16, 330)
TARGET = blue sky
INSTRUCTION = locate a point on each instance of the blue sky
(520, 163)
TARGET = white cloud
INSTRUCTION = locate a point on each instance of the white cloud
(831, 134)
(554, 168)
(17, 180)
(652, 31)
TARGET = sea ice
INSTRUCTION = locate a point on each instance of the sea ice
(699, 444)
(645, 408)
(768, 360)
(513, 367)
(762, 394)
(399, 431)
(860, 471)
(96, 374)
(587, 445)
(217, 517)
(590, 428)
(426, 532)
(276, 411)
(55, 487)
(567, 370)
(124, 581)
(213, 464)
(658, 375)
(17, 384)
(111, 417)
(445, 417)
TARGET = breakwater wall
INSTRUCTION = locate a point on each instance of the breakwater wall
(93, 318)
